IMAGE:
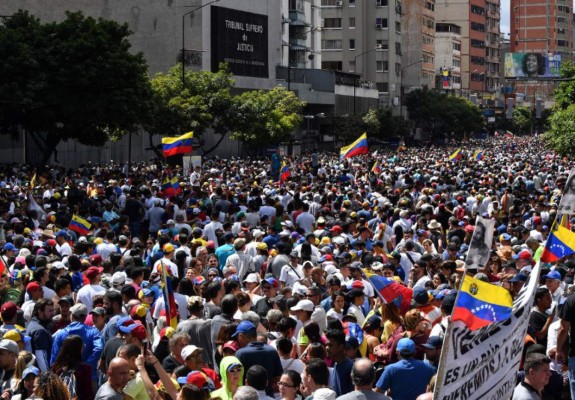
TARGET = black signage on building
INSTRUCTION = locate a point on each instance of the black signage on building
(240, 39)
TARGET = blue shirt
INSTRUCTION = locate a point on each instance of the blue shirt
(407, 379)
(343, 383)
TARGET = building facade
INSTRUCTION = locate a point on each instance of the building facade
(448, 57)
(365, 37)
(418, 58)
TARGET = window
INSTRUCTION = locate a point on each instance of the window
(381, 23)
(331, 65)
(352, 3)
(380, 3)
(397, 69)
(331, 44)
(564, 9)
(352, 22)
(456, 79)
(352, 66)
(429, 23)
(382, 86)
(332, 23)
(478, 27)
(427, 39)
(398, 48)
(382, 44)
(352, 44)
(561, 20)
(479, 44)
(381, 66)
(330, 3)
(427, 58)
(563, 43)
(477, 60)
(456, 62)
(457, 46)
(477, 10)
(478, 77)
(296, 5)
(398, 26)
(430, 6)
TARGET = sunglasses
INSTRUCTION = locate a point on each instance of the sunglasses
(235, 370)
(212, 275)
(280, 384)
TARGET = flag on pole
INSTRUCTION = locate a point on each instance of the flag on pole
(392, 292)
(284, 172)
(79, 225)
(478, 155)
(3, 267)
(560, 243)
(376, 169)
(509, 134)
(168, 293)
(171, 186)
(480, 303)
(177, 145)
(456, 155)
(357, 148)
(33, 182)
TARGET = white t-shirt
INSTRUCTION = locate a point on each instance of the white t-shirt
(173, 267)
(294, 364)
(289, 276)
(181, 302)
(64, 249)
(86, 295)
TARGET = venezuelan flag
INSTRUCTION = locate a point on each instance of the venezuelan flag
(559, 244)
(478, 155)
(168, 293)
(392, 292)
(177, 145)
(167, 188)
(79, 225)
(357, 148)
(284, 172)
(480, 304)
(376, 169)
(455, 156)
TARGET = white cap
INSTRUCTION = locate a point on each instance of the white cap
(305, 305)
(331, 269)
(58, 265)
(251, 278)
(119, 278)
(189, 350)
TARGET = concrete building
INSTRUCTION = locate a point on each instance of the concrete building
(365, 37)
(480, 47)
(448, 57)
(418, 58)
(301, 33)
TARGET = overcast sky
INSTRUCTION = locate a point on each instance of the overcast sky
(505, 16)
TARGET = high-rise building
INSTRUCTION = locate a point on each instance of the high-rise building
(301, 33)
(418, 59)
(364, 36)
(448, 57)
(479, 22)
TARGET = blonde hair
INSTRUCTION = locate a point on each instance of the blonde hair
(24, 358)
(412, 319)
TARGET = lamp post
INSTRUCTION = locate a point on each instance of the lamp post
(401, 84)
(184, 36)
(378, 47)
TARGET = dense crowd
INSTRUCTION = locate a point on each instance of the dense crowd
(270, 276)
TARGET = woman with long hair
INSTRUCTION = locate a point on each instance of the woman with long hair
(338, 305)
(391, 320)
(70, 368)
(50, 387)
(27, 384)
(289, 384)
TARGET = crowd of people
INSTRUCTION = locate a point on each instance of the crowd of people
(270, 275)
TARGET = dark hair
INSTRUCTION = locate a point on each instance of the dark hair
(69, 356)
(318, 371)
(212, 290)
(337, 335)
(285, 324)
(257, 377)
(61, 283)
(534, 361)
(131, 350)
(243, 299)
(41, 305)
(230, 285)
(51, 387)
(316, 350)
(312, 331)
(186, 287)
(294, 376)
(192, 392)
(114, 297)
(284, 345)
(540, 293)
(229, 304)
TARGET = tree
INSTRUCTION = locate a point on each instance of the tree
(203, 101)
(523, 119)
(565, 93)
(382, 124)
(268, 117)
(442, 115)
(78, 79)
(561, 133)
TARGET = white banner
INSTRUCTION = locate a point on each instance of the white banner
(483, 364)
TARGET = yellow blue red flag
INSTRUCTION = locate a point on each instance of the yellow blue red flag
(357, 148)
(177, 145)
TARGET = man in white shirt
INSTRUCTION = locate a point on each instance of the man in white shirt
(63, 247)
(87, 292)
(166, 261)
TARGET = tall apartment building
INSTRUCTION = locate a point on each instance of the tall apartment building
(418, 59)
(364, 36)
(301, 33)
(480, 47)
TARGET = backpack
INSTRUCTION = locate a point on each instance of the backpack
(69, 380)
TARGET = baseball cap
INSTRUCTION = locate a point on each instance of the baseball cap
(33, 286)
(9, 309)
(553, 275)
(271, 281)
(79, 310)
(189, 350)
(244, 327)
(305, 305)
(199, 379)
(434, 342)
(17, 336)
(30, 371)
(10, 247)
(119, 278)
(232, 345)
(67, 299)
(523, 255)
(59, 265)
(92, 272)
(98, 311)
(168, 248)
(406, 346)
(519, 277)
(9, 345)
(138, 310)
(504, 236)
(251, 278)
(420, 296)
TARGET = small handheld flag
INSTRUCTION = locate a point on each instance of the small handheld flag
(79, 225)
(559, 244)
(357, 148)
(177, 145)
(376, 169)
(168, 293)
(456, 155)
(478, 155)
(284, 172)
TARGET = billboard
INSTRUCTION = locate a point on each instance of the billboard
(240, 39)
(532, 65)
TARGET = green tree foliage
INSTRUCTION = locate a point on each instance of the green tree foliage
(523, 120)
(442, 115)
(267, 117)
(561, 133)
(74, 79)
(382, 124)
(565, 93)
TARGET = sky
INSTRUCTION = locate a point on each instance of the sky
(505, 16)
